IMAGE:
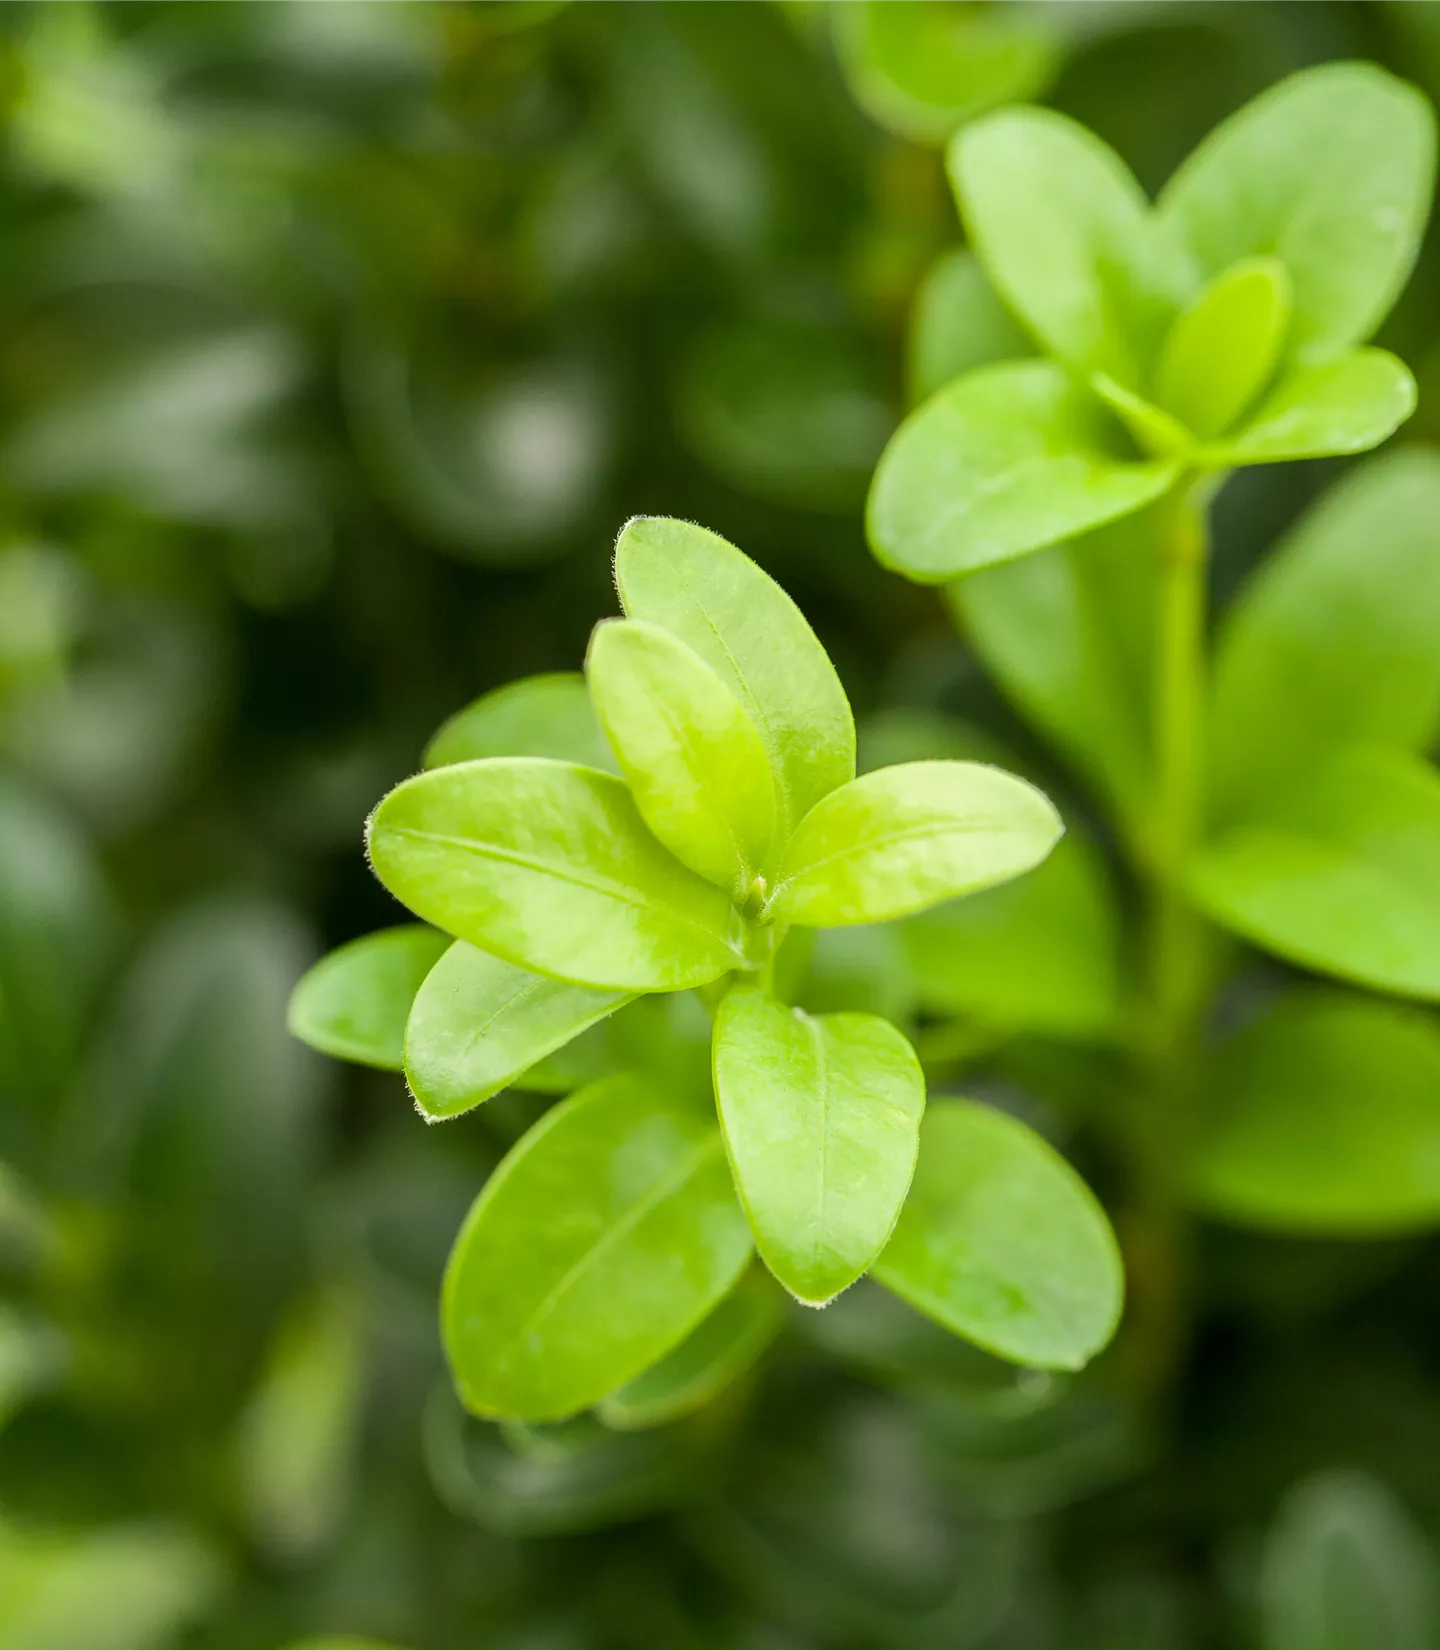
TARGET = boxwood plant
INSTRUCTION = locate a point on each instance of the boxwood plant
(670, 826)
(1093, 368)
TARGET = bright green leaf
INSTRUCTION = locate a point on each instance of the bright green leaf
(1003, 1243)
(599, 1243)
(695, 763)
(957, 324)
(1340, 872)
(1152, 429)
(1335, 639)
(707, 1361)
(536, 716)
(743, 625)
(551, 867)
(1222, 351)
(478, 1023)
(1002, 462)
(1324, 1117)
(921, 68)
(1040, 954)
(821, 1116)
(1331, 172)
(1347, 405)
(899, 839)
(353, 1003)
(1065, 233)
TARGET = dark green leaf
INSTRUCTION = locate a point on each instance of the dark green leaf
(354, 1003)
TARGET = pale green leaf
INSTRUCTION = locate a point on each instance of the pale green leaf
(820, 1116)
(550, 866)
(999, 463)
(696, 766)
(1223, 350)
(1335, 639)
(1040, 954)
(707, 1361)
(921, 68)
(1339, 872)
(957, 323)
(1346, 405)
(537, 716)
(1003, 1243)
(353, 1003)
(743, 625)
(478, 1023)
(1065, 233)
(1324, 1117)
(599, 1243)
(899, 839)
(1331, 172)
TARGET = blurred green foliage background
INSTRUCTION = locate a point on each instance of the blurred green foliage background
(336, 341)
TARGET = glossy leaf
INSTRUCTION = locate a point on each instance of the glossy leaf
(1003, 1243)
(1331, 172)
(921, 68)
(1347, 405)
(707, 1361)
(1064, 231)
(536, 716)
(1324, 1117)
(694, 760)
(1223, 350)
(551, 867)
(353, 1004)
(479, 1023)
(820, 1116)
(999, 463)
(1040, 954)
(957, 323)
(1334, 639)
(1340, 872)
(743, 625)
(899, 839)
(595, 1248)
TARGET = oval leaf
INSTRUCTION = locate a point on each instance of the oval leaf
(902, 838)
(707, 1361)
(599, 1243)
(743, 625)
(695, 763)
(1002, 462)
(821, 1117)
(353, 1004)
(1003, 1243)
(1343, 406)
(538, 716)
(1325, 1118)
(1331, 172)
(957, 323)
(1340, 873)
(479, 1022)
(550, 866)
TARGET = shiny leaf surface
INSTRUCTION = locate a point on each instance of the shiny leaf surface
(353, 1004)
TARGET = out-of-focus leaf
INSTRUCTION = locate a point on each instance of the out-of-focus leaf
(750, 633)
(1334, 639)
(1345, 1568)
(1331, 171)
(1347, 405)
(551, 867)
(537, 716)
(33, 1357)
(477, 1024)
(1338, 871)
(617, 1194)
(1003, 1243)
(1324, 1117)
(820, 1116)
(899, 839)
(707, 1361)
(354, 1003)
(1001, 462)
(957, 324)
